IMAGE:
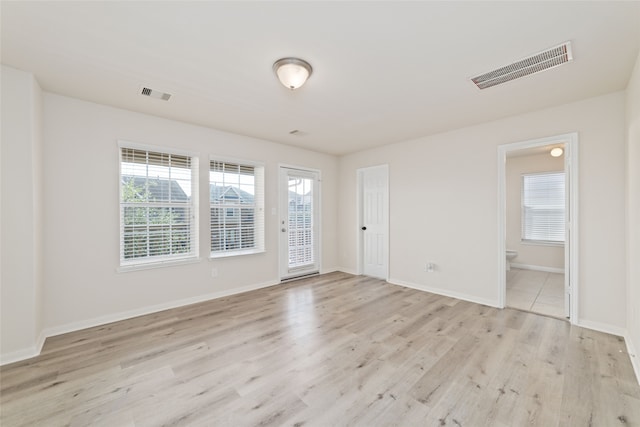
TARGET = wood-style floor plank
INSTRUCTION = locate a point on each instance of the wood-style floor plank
(332, 350)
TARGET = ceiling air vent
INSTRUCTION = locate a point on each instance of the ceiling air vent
(155, 94)
(545, 60)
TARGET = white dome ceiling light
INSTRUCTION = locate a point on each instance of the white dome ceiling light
(292, 72)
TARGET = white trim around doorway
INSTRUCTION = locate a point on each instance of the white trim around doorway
(571, 166)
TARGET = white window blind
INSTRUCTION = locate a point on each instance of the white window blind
(158, 206)
(543, 205)
(301, 226)
(236, 197)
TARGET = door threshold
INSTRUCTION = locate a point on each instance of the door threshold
(301, 276)
(566, 319)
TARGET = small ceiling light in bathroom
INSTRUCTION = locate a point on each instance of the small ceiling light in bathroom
(556, 152)
(292, 72)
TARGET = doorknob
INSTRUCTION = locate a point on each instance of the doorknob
(284, 230)
(363, 228)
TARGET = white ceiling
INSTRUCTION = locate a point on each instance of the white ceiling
(383, 71)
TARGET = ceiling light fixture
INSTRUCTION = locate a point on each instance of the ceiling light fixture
(292, 72)
(556, 152)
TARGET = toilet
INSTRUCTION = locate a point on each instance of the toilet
(510, 256)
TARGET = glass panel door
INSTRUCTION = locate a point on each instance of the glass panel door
(299, 224)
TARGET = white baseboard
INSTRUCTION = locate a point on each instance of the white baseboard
(348, 270)
(27, 353)
(116, 317)
(101, 320)
(633, 356)
(602, 327)
(16, 356)
(445, 292)
(537, 268)
(329, 270)
(40, 342)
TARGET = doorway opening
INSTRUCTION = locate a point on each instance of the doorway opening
(538, 214)
(373, 221)
(299, 222)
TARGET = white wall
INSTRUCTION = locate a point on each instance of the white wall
(21, 268)
(528, 254)
(443, 205)
(82, 221)
(633, 215)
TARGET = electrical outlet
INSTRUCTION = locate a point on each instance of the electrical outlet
(214, 272)
(430, 267)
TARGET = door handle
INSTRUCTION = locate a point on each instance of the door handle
(363, 228)
(284, 230)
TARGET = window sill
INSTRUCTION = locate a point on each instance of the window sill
(158, 264)
(235, 253)
(542, 243)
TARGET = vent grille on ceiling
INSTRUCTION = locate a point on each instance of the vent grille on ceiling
(155, 94)
(534, 64)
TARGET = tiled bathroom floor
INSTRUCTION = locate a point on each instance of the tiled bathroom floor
(536, 291)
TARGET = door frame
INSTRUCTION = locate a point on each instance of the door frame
(571, 169)
(282, 273)
(359, 213)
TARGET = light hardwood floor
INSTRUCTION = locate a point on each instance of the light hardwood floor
(331, 350)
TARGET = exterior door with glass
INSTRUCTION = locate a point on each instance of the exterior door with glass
(299, 222)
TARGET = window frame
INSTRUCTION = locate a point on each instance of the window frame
(258, 210)
(149, 262)
(523, 212)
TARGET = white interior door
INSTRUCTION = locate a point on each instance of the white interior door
(374, 221)
(299, 222)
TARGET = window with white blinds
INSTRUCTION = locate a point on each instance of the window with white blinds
(543, 207)
(158, 206)
(236, 197)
